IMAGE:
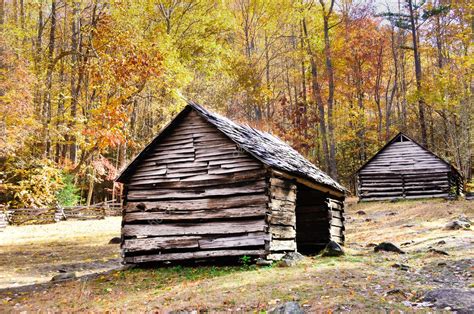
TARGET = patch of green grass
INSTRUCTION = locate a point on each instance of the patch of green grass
(354, 259)
(417, 255)
(179, 273)
(325, 261)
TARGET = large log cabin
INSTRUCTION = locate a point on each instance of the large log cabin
(404, 169)
(207, 187)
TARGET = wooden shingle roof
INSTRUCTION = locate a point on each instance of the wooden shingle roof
(265, 147)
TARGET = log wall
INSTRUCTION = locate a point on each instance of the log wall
(281, 217)
(195, 195)
(337, 226)
(403, 170)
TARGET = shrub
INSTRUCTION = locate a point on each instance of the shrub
(69, 194)
(33, 183)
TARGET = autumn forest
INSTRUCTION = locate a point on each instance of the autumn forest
(85, 85)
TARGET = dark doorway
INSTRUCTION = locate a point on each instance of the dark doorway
(312, 220)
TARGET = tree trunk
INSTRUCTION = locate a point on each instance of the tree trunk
(49, 82)
(2, 12)
(330, 100)
(395, 90)
(74, 84)
(418, 75)
(303, 70)
(91, 188)
(316, 93)
(22, 14)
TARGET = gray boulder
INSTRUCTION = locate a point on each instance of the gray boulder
(63, 277)
(287, 308)
(332, 249)
(461, 301)
(457, 224)
(290, 259)
(263, 262)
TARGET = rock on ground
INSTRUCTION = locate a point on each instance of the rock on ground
(263, 262)
(388, 247)
(458, 300)
(457, 224)
(332, 249)
(287, 308)
(115, 240)
(440, 252)
(64, 276)
(290, 259)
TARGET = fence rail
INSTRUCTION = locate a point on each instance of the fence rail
(34, 216)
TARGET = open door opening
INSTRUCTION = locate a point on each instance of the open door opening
(312, 220)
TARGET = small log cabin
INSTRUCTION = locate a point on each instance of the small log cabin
(403, 169)
(207, 187)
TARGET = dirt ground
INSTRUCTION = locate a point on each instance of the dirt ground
(33, 254)
(362, 280)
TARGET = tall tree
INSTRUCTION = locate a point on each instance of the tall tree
(417, 14)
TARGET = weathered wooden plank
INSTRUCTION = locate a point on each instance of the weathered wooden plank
(202, 182)
(233, 170)
(193, 185)
(282, 232)
(337, 222)
(279, 193)
(156, 161)
(282, 183)
(206, 151)
(162, 148)
(170, 156)
(191, 255)
(160, 243)
(337, 214)
(251, 187)
(336, 231)
(183, 165)
(380, 194)
(283, 205)
(226, 156)
(210, 203)
(190, 195)
(175, 142)
(228, 213)
(285, 218)
(241, 164)
(221, 227)
(168, 175)
(203, 137)
(209, 143)
(334, 205)
(222, 162)
(173, 151)
(200, 129)
(204, 177)
(382, 198)
(282, 245)
(398, 176)
(246, 240)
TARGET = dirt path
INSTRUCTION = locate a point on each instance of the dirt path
(362, 280)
